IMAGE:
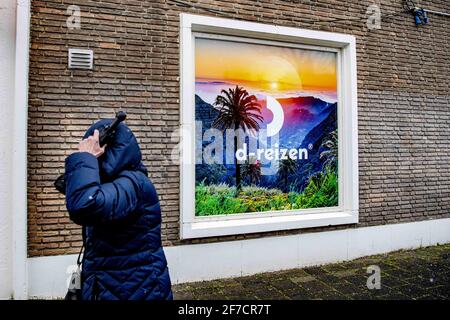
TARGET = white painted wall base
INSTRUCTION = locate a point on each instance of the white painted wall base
(47, 275)
(7, 60)
(14, 44)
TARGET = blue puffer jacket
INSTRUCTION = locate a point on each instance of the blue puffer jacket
(118, 207)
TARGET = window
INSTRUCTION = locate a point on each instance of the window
(269, 130)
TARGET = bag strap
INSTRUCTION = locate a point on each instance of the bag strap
(79, 255)
(82, 247)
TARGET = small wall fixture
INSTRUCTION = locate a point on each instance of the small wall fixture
(81, 59)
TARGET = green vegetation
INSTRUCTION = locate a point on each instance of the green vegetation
(331, 154)
(286, 167)
(240, 110)
(220, 199)
(252, 171)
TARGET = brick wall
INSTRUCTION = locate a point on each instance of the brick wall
(403, 96)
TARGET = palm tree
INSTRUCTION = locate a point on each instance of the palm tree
(238, 110)
(331, 154)
(285, 168)
(252, 171)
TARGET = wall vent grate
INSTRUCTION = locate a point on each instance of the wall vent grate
(81, 59)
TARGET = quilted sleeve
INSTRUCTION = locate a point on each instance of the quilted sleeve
(91, 203)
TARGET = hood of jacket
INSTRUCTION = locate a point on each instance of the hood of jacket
(122, 153)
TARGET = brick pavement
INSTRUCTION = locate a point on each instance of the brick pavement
(415, 274)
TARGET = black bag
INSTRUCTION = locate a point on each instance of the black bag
(74, 290)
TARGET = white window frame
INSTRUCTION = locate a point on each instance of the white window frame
(347, 210)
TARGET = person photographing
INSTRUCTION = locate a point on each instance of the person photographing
(109, 194)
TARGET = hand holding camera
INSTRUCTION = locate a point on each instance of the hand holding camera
(92, 145)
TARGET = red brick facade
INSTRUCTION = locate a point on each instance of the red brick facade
(403, 101)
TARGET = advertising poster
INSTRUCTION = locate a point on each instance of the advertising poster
(266, 127)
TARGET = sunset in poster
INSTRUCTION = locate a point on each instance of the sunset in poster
(287, 94)
(280, 71)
